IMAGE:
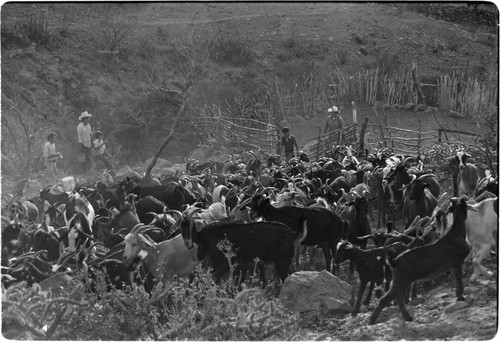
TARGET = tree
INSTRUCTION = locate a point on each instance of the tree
(23, 127)
(195, 48)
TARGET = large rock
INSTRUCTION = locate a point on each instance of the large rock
(322, 292)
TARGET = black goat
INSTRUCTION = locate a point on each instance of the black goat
(427, 262)
(323, 225)
(369, 265)
(268, 241)
(46, 194)
(148, 204)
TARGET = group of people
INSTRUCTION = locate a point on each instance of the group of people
(333, 122)
(96, 149)
(89, 149)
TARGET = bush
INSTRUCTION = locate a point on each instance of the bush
(37, 29)
(12, 38)
(203, 310)
(298, 49)
(232, 52)
(197, 310)
(386, 62)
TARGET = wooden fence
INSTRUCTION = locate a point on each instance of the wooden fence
(406, 141)
(240, 134)
(465, 94)
(326, 141)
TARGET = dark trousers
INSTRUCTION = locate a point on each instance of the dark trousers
(102, 158)
(87, 164)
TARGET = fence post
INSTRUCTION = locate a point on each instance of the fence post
(362, 133)
(354, 113)
(439, 135)
(419, 141)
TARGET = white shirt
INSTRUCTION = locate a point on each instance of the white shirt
(49, 149)
(84, 134)
(99, 151)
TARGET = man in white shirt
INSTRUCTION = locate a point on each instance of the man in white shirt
(84, 131)
(50, 156)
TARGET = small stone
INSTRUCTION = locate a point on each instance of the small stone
(455, 307)
(442, 295)
(471, 289)
(455, 114)
(421, 107)
(409, 106)
(491, 291)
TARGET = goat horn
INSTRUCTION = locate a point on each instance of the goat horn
(193, 212)
(405, 161)
(156, 216)
(137, 228)
(173, 211)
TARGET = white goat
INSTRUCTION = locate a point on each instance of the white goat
(164, 260)
(481, 231)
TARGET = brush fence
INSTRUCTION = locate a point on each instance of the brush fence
(240, 134)
(404, 141)
(326, 142)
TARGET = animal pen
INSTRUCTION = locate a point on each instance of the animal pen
(239, 133)
(462, 93)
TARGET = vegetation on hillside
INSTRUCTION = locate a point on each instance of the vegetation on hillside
(61, 59)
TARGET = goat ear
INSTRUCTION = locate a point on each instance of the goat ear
(470, 207)
(46, 205)
(199, 224)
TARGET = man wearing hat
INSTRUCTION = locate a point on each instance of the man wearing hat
(84, 131)
(334, 122)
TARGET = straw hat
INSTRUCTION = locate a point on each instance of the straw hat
(333, 109)
(84, 115)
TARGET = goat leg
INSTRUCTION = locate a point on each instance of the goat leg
(459, 291)
(369, 294)
(383, 302)
(478, 268)
(401, 303)
(328, 259)
(362, 287)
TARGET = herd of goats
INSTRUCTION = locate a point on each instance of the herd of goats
(144, 230)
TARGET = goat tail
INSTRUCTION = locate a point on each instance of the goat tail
(301, 234)
(389, 255)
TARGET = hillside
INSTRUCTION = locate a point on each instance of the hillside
(116, 61)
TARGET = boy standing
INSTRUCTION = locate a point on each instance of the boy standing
(288, 142)
(100, 151)
(50, 156)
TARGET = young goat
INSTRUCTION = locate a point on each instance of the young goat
(429, 261)
(370, 267)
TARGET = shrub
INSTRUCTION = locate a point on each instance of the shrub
(342, 56)
(37, 29)
(204, 310)
(299, 49)
(11, 37)
(386, 62)
(232, 52)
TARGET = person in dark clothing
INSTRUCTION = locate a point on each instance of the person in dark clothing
(101, 153)
(288, 143)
